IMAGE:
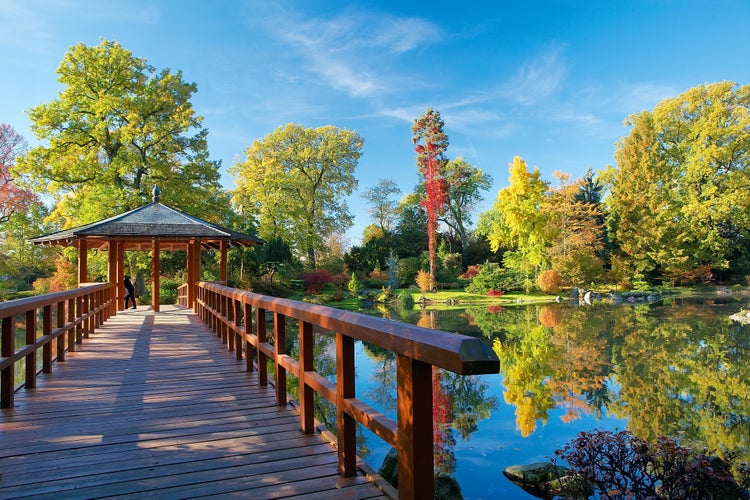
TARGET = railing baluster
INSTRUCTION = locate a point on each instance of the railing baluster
(60, 319)
(71, 319)
(306, 394)
(347, 426)
(279, 340)
(249, 350)
(47, 331)
(7, 384)
(414, 402)
(260, 324)
(31, 357)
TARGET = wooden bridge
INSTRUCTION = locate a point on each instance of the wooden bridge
(177, 404)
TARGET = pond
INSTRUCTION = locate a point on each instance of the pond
(678, 367)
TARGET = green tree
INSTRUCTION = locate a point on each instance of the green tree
(118, 128)
(679, 194)
(517, 222)
(465, 185)
(382, 205)
(411, 227)
(294, 181)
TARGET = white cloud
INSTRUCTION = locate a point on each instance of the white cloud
(637, 97)
(352, 50)
(538, 79)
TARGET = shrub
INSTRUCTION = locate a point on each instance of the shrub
(424, 281)
(621, 465)
(354, 285)
(494, 293)
(405, 300)
(314, 281)
(549, 282)
(471, 272)
(494, 277)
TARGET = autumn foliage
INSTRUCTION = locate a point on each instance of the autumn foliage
(549, 281)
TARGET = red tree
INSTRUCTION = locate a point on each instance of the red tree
(12, 198)
(428, 128)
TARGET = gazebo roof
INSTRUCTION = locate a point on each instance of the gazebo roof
(139, 227)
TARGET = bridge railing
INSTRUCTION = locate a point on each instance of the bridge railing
(238, 317)
(53, 324)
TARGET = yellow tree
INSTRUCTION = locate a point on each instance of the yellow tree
(679, 198)
(516, 220)
(117, 128)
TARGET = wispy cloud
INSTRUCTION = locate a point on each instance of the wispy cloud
(352, 50)
(538, 79)
(636, 97)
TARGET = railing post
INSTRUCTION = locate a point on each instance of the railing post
(71, 318)
(237, 322)
(346, 425)
(260, 324)
(79, 315)
(31, 357)
(249, 352)
(279, 340)
(60, 320)
(7, 384)
(306, 393)
(47, 331)
(414, 401)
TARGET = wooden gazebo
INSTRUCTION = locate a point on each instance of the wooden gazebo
(154, 227)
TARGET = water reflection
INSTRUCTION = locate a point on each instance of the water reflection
(679, 368)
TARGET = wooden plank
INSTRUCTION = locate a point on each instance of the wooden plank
(154, 405)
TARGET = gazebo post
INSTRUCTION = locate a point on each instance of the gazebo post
(120, 251)
(112, 275)
(155, 275)
(196, 272)
(223, 262)
(190, 277)
(83, 261)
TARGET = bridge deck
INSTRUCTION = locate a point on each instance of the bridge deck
(153, 405)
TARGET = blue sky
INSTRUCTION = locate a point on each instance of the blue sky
(550, 81)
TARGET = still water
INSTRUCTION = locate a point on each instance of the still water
(678, 368)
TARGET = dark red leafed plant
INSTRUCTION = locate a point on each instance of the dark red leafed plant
(494, 293)
(623, 466)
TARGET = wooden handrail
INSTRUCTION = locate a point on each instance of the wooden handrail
(77, 314)
(229, 312)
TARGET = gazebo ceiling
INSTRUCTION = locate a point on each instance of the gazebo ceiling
(138, 229)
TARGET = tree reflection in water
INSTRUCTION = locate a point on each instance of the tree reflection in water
(679, 369)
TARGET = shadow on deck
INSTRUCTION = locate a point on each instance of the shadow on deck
(153, 405)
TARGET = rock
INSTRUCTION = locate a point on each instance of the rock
(389, 469)
(741, 317)
(546, 480)
(540, 472)
(447, 488)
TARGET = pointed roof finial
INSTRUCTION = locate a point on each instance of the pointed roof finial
(156, 193)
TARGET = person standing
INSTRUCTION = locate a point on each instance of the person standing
(129, 291)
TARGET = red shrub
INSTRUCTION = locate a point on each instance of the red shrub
(494, 293)
(314, 281)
